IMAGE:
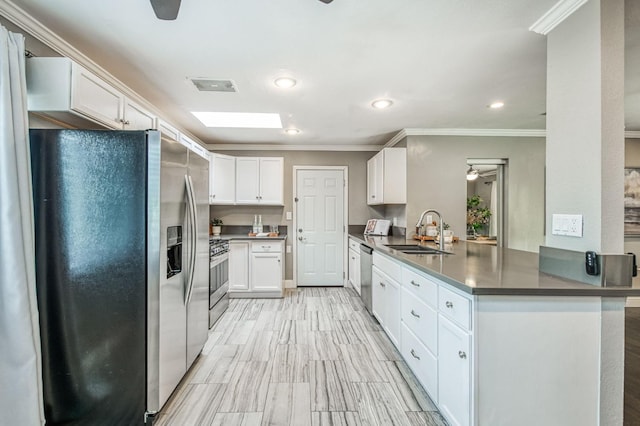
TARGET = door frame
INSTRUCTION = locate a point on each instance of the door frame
(345, 233)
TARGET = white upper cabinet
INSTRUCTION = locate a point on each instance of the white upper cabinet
(65, 91)
(387, 177)
(222, 179)
(259, 180)
(168, 131)
(137, 118)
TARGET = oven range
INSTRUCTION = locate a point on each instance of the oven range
(218, 278)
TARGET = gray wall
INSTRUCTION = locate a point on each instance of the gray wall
(359, 212)
(585, 125)
(436, 172)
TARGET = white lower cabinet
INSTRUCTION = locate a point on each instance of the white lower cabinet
(386, 304)
(354, 269)
(239, 266)
(454, 369)
(422, 362)
(256, 268)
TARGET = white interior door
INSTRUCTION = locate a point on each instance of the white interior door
(320, 227)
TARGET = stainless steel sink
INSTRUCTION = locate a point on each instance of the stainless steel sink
(415, 249)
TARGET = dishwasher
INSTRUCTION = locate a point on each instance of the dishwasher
(366, 263)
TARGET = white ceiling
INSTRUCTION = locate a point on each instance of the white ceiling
(440, 61)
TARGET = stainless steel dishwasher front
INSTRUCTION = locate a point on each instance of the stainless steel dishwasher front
(366, 263)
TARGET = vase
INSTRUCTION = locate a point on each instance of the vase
(216, 230)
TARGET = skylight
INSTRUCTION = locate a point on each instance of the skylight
(253, 120)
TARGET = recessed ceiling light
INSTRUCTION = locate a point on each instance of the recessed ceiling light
(381, 103)
(285, 82)
(292, 131)
(496, 105)
(253, 120)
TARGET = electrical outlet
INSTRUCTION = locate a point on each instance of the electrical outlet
(288, 249)
(395, 221)
(569, 225)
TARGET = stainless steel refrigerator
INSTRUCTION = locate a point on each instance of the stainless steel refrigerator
(122, 256)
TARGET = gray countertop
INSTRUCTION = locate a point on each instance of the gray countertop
(483, 269)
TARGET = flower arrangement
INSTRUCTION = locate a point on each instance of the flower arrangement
(477, 215)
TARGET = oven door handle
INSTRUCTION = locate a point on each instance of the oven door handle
(218, 259)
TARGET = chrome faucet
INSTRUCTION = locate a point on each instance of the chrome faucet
(440, 225)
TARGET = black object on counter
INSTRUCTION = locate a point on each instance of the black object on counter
(592, 263)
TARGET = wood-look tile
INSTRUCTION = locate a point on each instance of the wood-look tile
(330, 390)
(293, 332)
(239, 334)
(421, 418)
(314, 357)
(335, 418)
(411, 395)
(217, 367)
(260, 346)
(290, 364)
(377, 405)
(247, 389)
(322, 347)
(382, 346)
(288, 404)
(360, 365)
(196, 406)
(237, 419)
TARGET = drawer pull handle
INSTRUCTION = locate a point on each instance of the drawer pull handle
(449, 304)
(415, 283)
(462, 355)
(414, 314)
(382, 284)
(413, 354)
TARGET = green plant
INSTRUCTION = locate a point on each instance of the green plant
(445, 225)
(216, 221)
(477, 215)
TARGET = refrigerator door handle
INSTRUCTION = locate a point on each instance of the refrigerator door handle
(191, 205)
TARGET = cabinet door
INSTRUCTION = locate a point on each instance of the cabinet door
(137, 118)
(393, 312)
(247, 191)
(222, 179)
(454, 372)
(371, 181)
(271, 180)
(239, 266)
(95, 98)
(352, 267)
(266, 272)
(378, 295)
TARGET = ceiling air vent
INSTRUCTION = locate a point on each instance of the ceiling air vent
(209, 85)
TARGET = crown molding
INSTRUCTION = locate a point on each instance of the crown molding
(632, 134)
(524, 133)
(554, 16)
(274, 147)
(35, 28)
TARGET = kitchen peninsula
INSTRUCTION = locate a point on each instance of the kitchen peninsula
(496, 342)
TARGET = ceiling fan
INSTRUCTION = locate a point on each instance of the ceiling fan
(167, 10)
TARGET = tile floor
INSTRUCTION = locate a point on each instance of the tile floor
(315, 357)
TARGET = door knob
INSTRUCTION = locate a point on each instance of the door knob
(300, 230)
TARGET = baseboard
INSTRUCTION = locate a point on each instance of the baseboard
(633, 302)
(289, 284)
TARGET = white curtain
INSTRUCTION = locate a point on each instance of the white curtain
(20, 358)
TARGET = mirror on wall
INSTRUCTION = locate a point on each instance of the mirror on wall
(486, 201)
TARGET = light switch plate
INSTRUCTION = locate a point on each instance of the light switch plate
(569, 225)
(289, 216)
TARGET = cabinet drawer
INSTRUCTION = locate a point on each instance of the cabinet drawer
(388, 266)
(455, 307)
(423, 287)
(421, 319)
(266, 246)
(421, 361)
(354, 245)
